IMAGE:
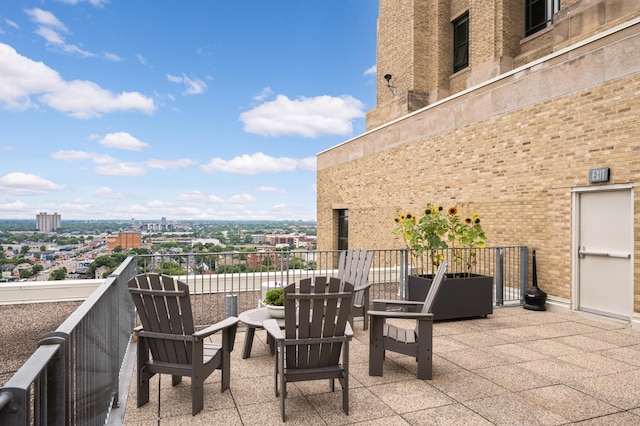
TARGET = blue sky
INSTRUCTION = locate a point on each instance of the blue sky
(199, 109)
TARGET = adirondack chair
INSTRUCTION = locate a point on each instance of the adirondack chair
(417, 342)
(316, 332)
(353, 267)
(164, 308)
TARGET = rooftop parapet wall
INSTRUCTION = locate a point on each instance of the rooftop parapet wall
(592, 62)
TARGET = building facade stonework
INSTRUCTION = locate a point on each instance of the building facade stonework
(512, 137)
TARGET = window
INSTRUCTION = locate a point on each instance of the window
(461, 43)
(539, 14)
(343, 229)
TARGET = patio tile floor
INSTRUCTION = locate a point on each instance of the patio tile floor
(514, 367)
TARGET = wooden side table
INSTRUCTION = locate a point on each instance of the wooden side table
(253, 319)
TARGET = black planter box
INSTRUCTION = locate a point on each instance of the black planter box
(457, 298)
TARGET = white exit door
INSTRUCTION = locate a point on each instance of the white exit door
(605, 244)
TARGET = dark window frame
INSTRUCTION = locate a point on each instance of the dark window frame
(538, 14)
(461, 43)
(343, 229)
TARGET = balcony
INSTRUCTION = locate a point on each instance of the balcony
(516, 366)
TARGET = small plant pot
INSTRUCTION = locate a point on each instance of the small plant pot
(276, 311)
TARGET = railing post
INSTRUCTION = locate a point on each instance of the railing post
(404, 273)
(524, 271)
(52, 409)
(230, 305)
(499, 275)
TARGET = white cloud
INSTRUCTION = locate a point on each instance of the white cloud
(266, 93)
(72, 155)
(50, 35)
(199, 197)
(141, 59)
(154, 163)
(372, 70)
(51, 28)
(242, 198)
(309, 163)
(192, 86)
(11, 23)
(96, 3)
(112, 57)
(104, 164)
(308, 117)
(280, 207)
(7, 148)
(26, 184)
(269, 188)
(85, 99)
(104, 159)
(105, 191)
(123, 140)
(21, 78)
(43, 17)
(257, 163)
(120, 169)
(12, 206)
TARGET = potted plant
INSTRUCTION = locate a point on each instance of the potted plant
(428, 238)
(274, 301)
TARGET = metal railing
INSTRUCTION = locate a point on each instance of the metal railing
(225, 283)
(73, 376)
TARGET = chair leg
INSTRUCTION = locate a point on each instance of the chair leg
(376, 347)
(143, 386)
(197, 395)
(143, 374)
(345, 380)
(365, 319)
(176, 380)
(283, 380)
(225, 368)
(425, 349)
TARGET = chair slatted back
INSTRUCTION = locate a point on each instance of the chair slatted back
(435, 286)
(316, 315)
(353, 267)
(164, 308)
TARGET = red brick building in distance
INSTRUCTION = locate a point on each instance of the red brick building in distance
(126, 240)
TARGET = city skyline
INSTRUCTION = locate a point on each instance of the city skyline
(209, 111)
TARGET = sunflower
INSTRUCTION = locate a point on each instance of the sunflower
(467, 221)
(453, 211)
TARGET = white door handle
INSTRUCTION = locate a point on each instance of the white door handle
(582, 253)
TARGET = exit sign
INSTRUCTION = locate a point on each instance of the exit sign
(599, 175)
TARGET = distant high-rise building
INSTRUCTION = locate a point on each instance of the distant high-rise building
(48, 222)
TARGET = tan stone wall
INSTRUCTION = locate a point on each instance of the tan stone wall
(415, 43)
(512, 151)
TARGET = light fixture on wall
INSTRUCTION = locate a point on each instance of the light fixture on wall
(389, 85)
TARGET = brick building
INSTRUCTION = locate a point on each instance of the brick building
(504, 107)
(126, 240)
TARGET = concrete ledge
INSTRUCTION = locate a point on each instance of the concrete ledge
(47, 291)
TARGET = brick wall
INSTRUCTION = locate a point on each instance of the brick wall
(512, 150)
(415, 44)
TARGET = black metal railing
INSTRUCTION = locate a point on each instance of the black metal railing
(73, 376)
(223, 284)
